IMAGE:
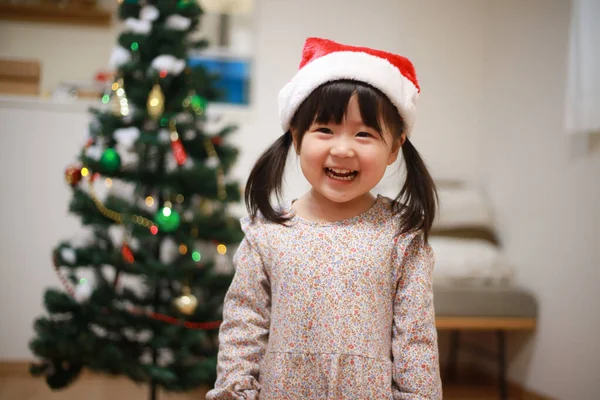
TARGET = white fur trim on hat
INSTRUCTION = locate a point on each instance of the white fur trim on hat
(359, 66)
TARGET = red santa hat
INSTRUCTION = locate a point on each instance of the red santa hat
(325, 61)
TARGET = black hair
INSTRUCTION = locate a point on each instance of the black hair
(417, 199)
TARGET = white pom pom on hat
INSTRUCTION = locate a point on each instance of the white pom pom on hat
(324, 61)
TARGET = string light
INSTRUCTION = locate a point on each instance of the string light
(196, 256)
(183, 249)
(149, 201)
(221, 249)
(108, 182)
(118, 217)
(85, 171)
(179, 198)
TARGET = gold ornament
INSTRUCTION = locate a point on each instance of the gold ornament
(114, 215)
(186, 303)
(120, 104)
(156, 102)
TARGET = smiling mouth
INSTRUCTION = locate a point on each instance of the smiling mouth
(341, 174)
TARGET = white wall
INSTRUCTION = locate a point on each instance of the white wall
(545, 187)
(34, 153)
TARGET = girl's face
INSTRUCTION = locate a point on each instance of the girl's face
(344, 161)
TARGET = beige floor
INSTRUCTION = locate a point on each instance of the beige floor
(19, 386)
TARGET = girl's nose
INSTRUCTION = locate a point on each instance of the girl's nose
(342, 149)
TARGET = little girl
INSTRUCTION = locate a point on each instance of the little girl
(332, 296)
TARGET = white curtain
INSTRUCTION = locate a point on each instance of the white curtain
(583, 79)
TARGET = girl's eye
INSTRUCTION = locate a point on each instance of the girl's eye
(324, 130)
(364, 134)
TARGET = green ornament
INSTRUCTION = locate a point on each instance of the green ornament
(110, 161)
(183, 4)
(196, 103)
(167, 219)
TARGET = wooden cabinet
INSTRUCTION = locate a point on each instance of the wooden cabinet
(76, 12)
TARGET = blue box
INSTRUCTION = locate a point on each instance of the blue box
(233, 76)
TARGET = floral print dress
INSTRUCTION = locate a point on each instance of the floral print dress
(336, 310)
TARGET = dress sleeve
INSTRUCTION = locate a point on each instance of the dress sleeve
(245, 329)
(416, 371)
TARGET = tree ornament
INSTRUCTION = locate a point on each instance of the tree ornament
(156, 102)
(119, 57)
(120, 104)
(187, 302)
(73, 175)
(83, 291)
(168, 251)
(68, 255)
(94, 152)
(169, 64)
(196, 103)
(141, 27)
(110, 160)
(177, 146)
(178, 22)
(149, 13)
(127, 253)
(127, 136)
(183, 4)
(167, 219)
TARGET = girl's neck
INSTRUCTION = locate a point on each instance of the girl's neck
(315, 207)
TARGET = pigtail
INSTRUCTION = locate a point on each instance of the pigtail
(417, 201)
(266, 178)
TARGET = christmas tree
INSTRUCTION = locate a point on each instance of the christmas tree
(143, 288)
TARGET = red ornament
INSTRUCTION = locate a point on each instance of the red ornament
(178, 151)
(217, 140)
(73, 175)
(163, 73)
(127, 253)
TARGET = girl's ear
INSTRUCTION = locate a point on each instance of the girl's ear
(396, 149)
